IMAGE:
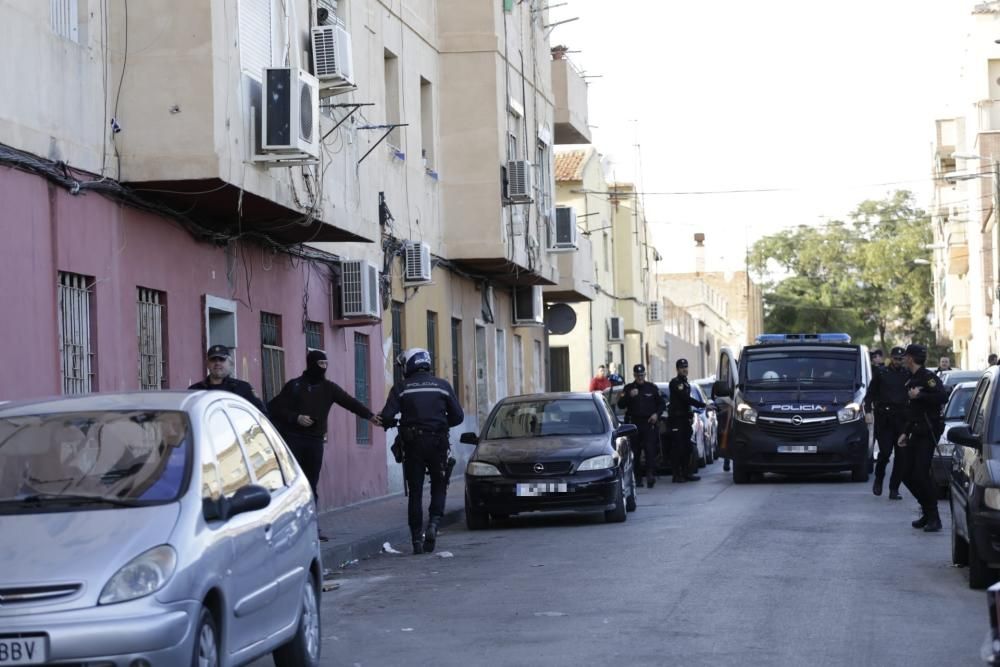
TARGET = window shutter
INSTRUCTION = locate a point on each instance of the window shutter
(255, 36)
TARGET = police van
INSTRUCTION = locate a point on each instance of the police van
(795, 403)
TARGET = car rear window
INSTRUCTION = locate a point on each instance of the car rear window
(546, 417)
(958, 404)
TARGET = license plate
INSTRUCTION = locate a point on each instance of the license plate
(30, 650)
(796, 449)
(537, 489)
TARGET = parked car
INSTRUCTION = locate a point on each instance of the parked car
(975, 484)
(704, 388)
(549, 452)
(154, 528)
(954, 415)
(951, 379)
(697, 427)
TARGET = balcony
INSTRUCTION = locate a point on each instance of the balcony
(961, 322)
(958, 253)
(576, 276)
(570, 90)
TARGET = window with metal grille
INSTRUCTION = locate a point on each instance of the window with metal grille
(64, 18)
(432, 339)
(456, 355)
(314, 336)
(151, 324)
(256, 32)
(362, 384)
(76, 314)
(397, 340)
(272, 355)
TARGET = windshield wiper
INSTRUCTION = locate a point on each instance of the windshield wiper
(74, 499)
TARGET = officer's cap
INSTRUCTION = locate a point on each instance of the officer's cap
(897, 352)
(918, 352)
(682, 363)
(639, 369)
(218, 352)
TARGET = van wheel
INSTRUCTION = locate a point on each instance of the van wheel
(859, 473)
(206, 641)
(740, 474)
(303, 649)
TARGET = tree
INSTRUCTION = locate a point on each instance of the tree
(857, 276)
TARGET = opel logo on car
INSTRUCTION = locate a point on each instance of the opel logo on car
(797, 420)
(539, 468)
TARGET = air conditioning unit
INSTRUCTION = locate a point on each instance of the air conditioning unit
(563, 237)
(417, 263)
(519, 181)
(290, 117)
(616, 329)
(359, 289)
(654, 312)
(528, 306)
(333, 64)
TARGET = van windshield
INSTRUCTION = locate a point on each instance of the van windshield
(766, 368)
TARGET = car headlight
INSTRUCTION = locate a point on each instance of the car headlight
(602, 462)
(480, 469)
(142, 576)
(746, 414)
(849, 413)
(992, 499)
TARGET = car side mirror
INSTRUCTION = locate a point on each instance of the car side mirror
(626, 430)
(248, 498)
(469, 438)
(722, 389)
(961, 435)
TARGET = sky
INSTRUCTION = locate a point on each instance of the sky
(829, 103)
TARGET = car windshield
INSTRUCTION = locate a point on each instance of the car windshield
(768, 368)
(958, 404)
(118, 457)
(546, 417)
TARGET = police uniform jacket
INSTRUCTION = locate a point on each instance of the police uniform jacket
(649, 401)
(234, 386)
(924, 412)
(888, 388)
(681, 401)
(425, 403)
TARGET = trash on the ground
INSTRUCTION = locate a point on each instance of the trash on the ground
(330, 585)
(327, 572)
(348, 563)
(407, 629)
(445, 554)
(387, 548)
(549, 613)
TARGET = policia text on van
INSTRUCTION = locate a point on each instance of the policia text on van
(793, 403)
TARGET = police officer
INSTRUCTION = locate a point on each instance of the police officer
(679, 424)
(643, 403)
(220, 376)
(886, 400)
(427, 408)
(877, 358)
(925, 396)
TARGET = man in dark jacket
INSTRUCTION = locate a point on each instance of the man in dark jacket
(679, 424)
(427, 409)
(643, 403)
(886, 400)
(220, 378)
(302, 409)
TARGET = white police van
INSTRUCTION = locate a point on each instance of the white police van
(795, 403)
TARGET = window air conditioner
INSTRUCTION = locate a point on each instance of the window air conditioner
(616, 329)
(564, 235)
(654, 312)
(359, 289)
(333, 64)
(417, 263)
(290, 117)
(519, 181)
(528, 307)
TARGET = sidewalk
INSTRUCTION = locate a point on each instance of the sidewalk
(359, 531)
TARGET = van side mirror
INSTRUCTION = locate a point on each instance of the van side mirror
(961, 435)
(469, 438)
(720, 388)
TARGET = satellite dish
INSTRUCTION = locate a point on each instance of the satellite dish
(560, 318)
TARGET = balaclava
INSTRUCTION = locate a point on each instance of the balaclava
(314, 372)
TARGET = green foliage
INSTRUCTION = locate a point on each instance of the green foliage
(856, 276)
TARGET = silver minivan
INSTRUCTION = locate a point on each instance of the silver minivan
(153, 528)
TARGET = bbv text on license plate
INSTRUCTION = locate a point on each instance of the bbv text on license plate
(796, 449)
(537, 489)
(27, 650)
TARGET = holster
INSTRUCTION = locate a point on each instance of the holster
(397, 449)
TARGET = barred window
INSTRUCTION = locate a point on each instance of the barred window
(314, 336)
(76, 314)
(397, 340)
(362, 384)
(272, 355)
(432, 338)
(151, 325)
(64, 18)
(456, 354)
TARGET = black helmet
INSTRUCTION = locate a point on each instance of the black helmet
(416, 359)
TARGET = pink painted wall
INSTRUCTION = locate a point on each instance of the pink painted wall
(44, 229)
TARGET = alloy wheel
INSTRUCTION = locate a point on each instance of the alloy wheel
(208, 652)
(310, 620)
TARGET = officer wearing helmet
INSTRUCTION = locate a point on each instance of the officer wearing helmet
(427, 409)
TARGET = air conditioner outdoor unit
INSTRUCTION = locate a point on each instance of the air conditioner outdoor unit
(332, 61)
(519, 181)
(417, 263)
(616, 329)
(654, 312)
(564, 234)
(359, 289)
(290, 117)
(528, 306)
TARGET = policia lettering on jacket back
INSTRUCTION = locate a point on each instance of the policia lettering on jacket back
(427, 409)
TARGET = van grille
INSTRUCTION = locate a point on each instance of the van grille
(793, 432)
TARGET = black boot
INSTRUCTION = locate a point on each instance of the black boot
(725, 465)
(691, 477)
(894, 494)
(418, 540)
(877, 486)
(650, 481)
(430, 535)
(933, 524)
(921, 522)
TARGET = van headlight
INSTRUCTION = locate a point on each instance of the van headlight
(142, 576)
(849, 413)
(602, 462)
(480, 469)
(991, 498)
(746, 414)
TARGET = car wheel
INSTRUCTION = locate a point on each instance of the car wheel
(740, 474)
(859, 473)
(303, 649)
(980, 574)
(618, 514)
(475, 519)
(959, 547)
(206, 643)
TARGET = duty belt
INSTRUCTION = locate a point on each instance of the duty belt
(417, 432)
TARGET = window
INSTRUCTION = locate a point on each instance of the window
(220, 323)
(76, 314)
(362, 384)
(284, 455)
(232, 465)
(211, 483)
(539, 384)
(512, 138)
(427, 123)
(397, 340)
(263, 459)
(65, 19)
(390, 64)
(518, 365)
(607, 252)
(501, 364)
(432, 337)
(256, 35)
(314, 336)
(272, 355)
(456, 355)
(543, 162)
(977, 413)
(151, 323)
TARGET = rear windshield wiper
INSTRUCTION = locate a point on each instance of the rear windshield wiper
(73, 499)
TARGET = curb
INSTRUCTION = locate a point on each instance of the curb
(337, 556)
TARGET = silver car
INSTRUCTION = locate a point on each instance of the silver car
(155, 528)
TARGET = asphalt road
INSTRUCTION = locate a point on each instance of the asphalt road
(791, 571)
